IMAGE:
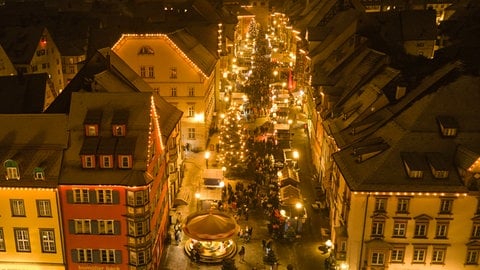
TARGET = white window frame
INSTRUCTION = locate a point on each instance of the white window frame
(18, 207)
(107, 255)
(83, 226)
(191, 133)
(476, 230)
(12, 173)
(419, 255)
(438, 255)
(104, 196)
(39, 175)
(107, 161)
(472, 256)
(397, 255)
(22, 239)
(446, 206)
(399, 229)
(421, 229)
(84, 255)
(106, 226)
(47, 238)
(380, 204)
(124, 162)
(378, 258)
(2, 240)
(89, 161)
(81, 195)
(441, 230)
(191, 110)
(377, 228)
(403, 205)
(44, 208)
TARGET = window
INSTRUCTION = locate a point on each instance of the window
(476, 230)
(441, 230)
(106, 227)
(402, 205)
(421, 230)
(38, 174)
(472, 256)
(40, 52)
(22, 239)
(47, 238)
(399, 229)
(83, 226)
(380, 204)
(173, 73)
(84, 255)
(11, 169)
(104, 196)
(118, 130)
(81, 196)
(419, 255)
(146, 50)
(377, 228)
(18, 207)
(173, 91)
(139, 257)
(147, 72)
(124, 162)
(438, 255)
(446, 206)
(91, 130)
(88, 161)
(397, 255)
(44, 208)
(106, 162)
(107, 255)
(191, 110)
(137, 198)
(191, 91)
(138, 228)
(378, 258)
(2, 240)
(191, 133)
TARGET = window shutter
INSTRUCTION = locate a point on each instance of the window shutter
(69, 196)
(118, 256)
(92, 196)
(96, 256)
(74, 255)
(71, 226)
(94, 225)
(116, 197)
(116, 227)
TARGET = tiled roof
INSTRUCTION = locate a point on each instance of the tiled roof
(20, 43)
(416, 130)
(23, 93)
(33, 141)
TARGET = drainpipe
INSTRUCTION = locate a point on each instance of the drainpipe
(363, 232)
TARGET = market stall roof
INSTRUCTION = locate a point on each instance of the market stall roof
(210, 226)
(212, 177)
(288, 176)
(182, 198)
(210, 194)
(290, 195)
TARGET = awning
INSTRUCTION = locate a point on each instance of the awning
(183, 198)
(210, 194)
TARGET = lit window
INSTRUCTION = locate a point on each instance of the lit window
(91, 130)
(105, 226)
(84, 255)
(107, 255)
(44, 208)
(38, 174)
(139, 257)
(47, 237)
(137, 198)
(18, 207)
(11, 169)
(138, 228)
(83, 226)
(81, 196)
(191, 110)
(118, 130)
(22, 239)
(104, 196)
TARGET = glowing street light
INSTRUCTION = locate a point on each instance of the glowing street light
(207, 156)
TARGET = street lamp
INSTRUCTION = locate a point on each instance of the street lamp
(296, 156)
(197, 198)
(207, 156)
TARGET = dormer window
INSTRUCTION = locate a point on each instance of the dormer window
(414, 164)
(88, 152)
(124, 152)
(438, 165)
(38, 174)
(146, 50)
(119, 123)
(448, 125)
(92, 123)
(11, 170)
(88, 162)
(125, 161)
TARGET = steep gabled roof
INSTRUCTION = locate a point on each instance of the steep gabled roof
(20, 43)
(23, 93)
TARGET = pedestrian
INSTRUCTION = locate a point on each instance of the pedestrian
(241, 253)
(264, 244)
(178, 237)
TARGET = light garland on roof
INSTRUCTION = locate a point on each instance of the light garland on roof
(172, 44)
(155, 117)
(28, 188)
(435, 194)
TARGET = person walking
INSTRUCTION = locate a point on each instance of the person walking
(241, 253)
